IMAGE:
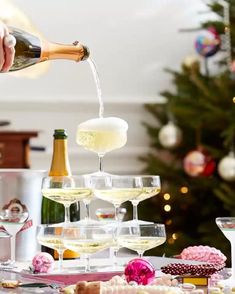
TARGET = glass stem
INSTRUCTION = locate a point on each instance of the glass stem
(233, 260)
(100, 162)
(114, 256)
(135, 210)
(87, 210)
(67, 213)
(140, 254)
(116, 212)
(60, 259)
(87, 263)
(13, 247)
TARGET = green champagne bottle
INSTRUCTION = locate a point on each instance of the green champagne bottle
(30, 50)
(53, 212)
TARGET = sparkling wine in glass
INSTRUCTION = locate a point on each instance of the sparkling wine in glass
(67, 190)
(107, 215)
(227, 226)
(13, 221)
(51, 236)
(116, 190)
(151, 186)
(141, 237)
(102, 135)
(87, 239)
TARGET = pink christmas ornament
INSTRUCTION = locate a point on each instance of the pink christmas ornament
(140, 271)
(43, 263)
(203, 253)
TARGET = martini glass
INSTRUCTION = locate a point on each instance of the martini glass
(151, 186)
(102, 135)
(227, 226)
(13, 221)
(67, 190)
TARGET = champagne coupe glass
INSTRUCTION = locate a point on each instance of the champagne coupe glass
(67, 190)
(227, 226)
(117, 190)
(151, 186)
(141, 237)
(51, 236)
(102, 135)
(87, 239)
(13, 221)
(107, 215)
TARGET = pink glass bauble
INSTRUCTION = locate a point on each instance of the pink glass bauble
(43, 263)
(140, 271)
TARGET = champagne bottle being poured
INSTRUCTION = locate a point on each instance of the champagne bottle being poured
(30, 49)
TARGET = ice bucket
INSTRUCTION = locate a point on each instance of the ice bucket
(21, 189)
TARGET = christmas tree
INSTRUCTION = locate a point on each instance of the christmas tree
(193, 141)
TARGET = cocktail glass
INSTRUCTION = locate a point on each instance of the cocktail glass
(107, 215)
(51, 236)
(67, 190)
(102, 135)
(116, 190)
(151, 186)
(87, 239)
(227, 226)
(13, 221)
(141, 237)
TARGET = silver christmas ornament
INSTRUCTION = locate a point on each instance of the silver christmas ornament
(226, 167)
(170, 135)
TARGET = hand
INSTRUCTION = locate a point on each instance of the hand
(7, 50)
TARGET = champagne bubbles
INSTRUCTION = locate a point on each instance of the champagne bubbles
(102, 135)
(104, 124)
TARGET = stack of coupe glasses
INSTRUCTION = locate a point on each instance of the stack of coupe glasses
(89, 236)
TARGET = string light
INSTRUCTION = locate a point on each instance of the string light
(167, 208)
(168, 222)
(167, 196)
(175, 236)
(184, 190)
(233, 99)
(171, 241)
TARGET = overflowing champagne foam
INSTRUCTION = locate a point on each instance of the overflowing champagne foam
(104, 124)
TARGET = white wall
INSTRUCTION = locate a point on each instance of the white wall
(131, 42)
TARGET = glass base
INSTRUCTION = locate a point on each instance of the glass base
(136, 223)
(227, 283)
(86, 222)
(99, 173)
